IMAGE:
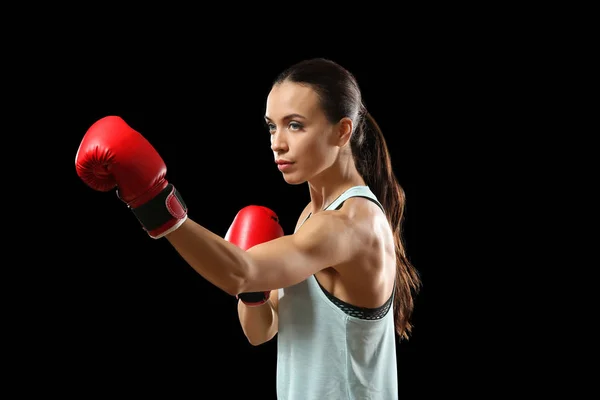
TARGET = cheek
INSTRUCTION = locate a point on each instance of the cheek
(316, 155)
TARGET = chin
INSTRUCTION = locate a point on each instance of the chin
(290, 179)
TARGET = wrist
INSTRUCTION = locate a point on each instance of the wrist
(162, 214)
(254, 299)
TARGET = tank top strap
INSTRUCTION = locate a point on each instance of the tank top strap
(355, 191)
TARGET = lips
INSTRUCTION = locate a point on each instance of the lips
(283, 165)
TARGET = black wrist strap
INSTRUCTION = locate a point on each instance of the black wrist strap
(254, 297)
(155, 213)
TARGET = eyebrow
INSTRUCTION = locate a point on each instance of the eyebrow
(289, 116)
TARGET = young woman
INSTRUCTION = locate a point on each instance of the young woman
(339, 289)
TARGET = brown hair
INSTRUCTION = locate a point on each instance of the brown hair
(340, 97)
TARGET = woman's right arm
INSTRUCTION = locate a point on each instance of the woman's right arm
(260, 323)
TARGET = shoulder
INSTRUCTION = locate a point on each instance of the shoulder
(357, 223)
(363, 214)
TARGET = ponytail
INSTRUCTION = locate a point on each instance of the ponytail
(374, 163)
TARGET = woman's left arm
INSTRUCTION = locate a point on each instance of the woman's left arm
(326, 239)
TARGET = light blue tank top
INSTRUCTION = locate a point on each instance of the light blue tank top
(329, 350)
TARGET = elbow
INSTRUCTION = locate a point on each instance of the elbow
(238, 282)
(255, 342)
(234, 286)
(242, 280)
(238, 277)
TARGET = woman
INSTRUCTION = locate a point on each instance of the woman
(341, 286)
(344, 283)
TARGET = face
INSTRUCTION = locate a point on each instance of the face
(300, 132)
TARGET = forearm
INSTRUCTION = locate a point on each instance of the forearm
(258, 323)
(223, 264)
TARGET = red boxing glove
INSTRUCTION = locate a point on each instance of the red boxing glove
(251, 226)
(113, 155)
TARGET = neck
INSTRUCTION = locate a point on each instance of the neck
(331, 183)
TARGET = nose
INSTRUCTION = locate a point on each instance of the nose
(278, 143)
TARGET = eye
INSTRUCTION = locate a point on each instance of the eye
(295, 126)
(271, 127)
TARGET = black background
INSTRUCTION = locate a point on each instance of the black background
(110, 310)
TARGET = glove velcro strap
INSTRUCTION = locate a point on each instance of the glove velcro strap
(162, 212)
(254, 298)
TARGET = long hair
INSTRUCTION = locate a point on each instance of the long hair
(340, 96)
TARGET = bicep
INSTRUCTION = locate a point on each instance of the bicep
(322, 241)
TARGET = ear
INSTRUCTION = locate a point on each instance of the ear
(344, 131)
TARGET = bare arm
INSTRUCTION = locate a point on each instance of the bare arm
(220, 262)
(260, 324)
(327, 238)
